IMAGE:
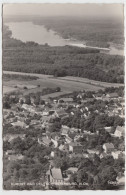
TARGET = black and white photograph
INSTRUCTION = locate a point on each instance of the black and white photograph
(63, 104)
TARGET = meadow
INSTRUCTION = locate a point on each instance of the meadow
(67, 84)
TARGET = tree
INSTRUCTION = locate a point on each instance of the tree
(27, 100)
(21, 102)
(6, 145)
(18, 144)
(6, 105)
(61, 163)
(23, 173)
(37, 100)
(13, 165)
(73, 178)
(42, 102)
(107, 174)
(58, 89)
(82, 176)
(55, 127)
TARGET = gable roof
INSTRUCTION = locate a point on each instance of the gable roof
(61, 112)
(74, 144)
(72, 135)
(46, 140)
(113, 95)
(121, 129)
(73, 169)
(109, 145)
(18, 123)
(66, 99)
(56, 173)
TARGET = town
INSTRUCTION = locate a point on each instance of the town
(75, 141)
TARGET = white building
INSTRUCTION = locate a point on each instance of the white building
(108, 147)
(120, 131)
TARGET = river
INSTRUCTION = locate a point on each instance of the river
(27, 31)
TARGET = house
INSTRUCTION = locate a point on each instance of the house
(9, 137)
(19, 124)
(45, 141)
(61, 147)
(64, 148)
(15, 157)
(65, 130)
(98, 96)
(10, 152)
(103, 155)
(118, 154)
(73, 130)
(52, 154)
(65, 100)
(46, 119)
(45, 113)
(108, 147)
(72, 169)
(54, 176)
(121, 179)
(120, 131)
(69, 138)
(109, 129)
(75, 147)
(112, 95)
(77, 137)
(93, 151)
(22, 99)
(55, 139)
(76, 155)
(33, 99)
(60, 113)
(122, 146)
(111, 113)
(28, 108)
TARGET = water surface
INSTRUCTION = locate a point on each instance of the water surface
(27, 31)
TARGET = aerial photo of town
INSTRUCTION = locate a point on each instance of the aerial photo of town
(63, 97)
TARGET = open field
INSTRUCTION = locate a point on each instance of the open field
(67, 84)
(8, 89)
(92, 82)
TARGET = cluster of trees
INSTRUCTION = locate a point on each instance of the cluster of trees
(37, 96)
(98, 44)
(32, 167)
(94, 171)
(93, 122)
(118, 90)
(62, 61)
(8, 100)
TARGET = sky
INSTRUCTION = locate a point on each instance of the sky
(92, 10)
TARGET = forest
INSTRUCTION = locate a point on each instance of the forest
(88, 63)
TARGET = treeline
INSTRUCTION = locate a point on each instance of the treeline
(98, 44)
(61, 61)
(94, 122)
(18, 77)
